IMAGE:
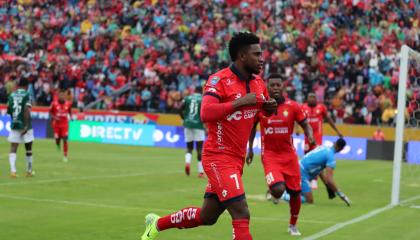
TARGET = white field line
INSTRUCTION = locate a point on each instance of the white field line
(159, 210)
(82, 178)
(357, 219)
(415, 206)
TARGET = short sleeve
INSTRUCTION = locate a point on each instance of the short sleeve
(27, 100)
(300, 115)
(214, 87)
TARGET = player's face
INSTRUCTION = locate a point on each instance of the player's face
(253, 61)
(275, 88)
(61, 97)
(312, 100)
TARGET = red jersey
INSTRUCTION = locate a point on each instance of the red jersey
(315, 116)
(230, 135)
(277, 130)
(60, 112)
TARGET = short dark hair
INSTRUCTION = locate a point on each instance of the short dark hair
(240, 41)
(341, 143)
(23, 82)
(274, 75)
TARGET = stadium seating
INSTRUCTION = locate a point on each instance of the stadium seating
(347, 51)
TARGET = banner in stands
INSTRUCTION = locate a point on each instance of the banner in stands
(413, 155)
(116, 133)
(39, 126)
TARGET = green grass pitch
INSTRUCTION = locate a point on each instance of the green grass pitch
(105, 191)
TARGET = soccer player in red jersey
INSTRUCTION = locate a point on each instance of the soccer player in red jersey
(316, 113)
(60, 112)
(232, 99)
(279, 158)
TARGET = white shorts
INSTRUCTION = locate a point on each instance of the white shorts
(15, 136)
(194, 135)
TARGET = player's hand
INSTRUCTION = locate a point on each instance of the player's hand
(270, 105)
(331, 193)
(249, 157)
(344, 198)
(248, 100)
(24, 131)
(311, 140)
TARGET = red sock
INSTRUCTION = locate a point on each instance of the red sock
(184, 218)
(294, 203)
(241, 229)
(65, 148)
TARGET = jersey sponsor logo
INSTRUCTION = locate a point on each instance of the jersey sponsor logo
(238, 96)
(213, 90)
(276, 130)
(313, 120)
(239, 115)
(214, 80)
(270, 121)
(219, 134)
(224, 193)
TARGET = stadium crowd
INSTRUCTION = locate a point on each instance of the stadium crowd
(347, 51)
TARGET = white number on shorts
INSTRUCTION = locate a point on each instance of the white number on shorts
(269, 178)
(234, 176)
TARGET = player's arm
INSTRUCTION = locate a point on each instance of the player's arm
(70, 114)
(328, 179)
(332, 124)
(181, 109)
(250, 154)
(9, 106)
(307, 129)
(212, 110)
(26, 119)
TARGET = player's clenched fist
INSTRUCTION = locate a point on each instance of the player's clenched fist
(248, 100)
(270, 105)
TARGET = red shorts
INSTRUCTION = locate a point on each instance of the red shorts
(318, 139)
(282, 169)
(61, 131)
(224, 179)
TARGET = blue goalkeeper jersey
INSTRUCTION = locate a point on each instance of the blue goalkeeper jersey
(318, 159)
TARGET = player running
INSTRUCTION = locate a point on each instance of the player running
(316, 113)
(233, 96)
(19, 109)
(279, 156)
(313, 165)
(60, 112)
(193, 128)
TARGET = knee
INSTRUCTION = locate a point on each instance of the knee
(277, 190)
(208, 220)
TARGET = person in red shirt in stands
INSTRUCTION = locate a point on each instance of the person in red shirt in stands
(232, 99)
(60, 113)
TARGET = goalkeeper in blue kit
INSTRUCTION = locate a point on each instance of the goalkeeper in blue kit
(320, 162)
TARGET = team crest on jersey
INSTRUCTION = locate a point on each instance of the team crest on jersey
(214, 80)
(317, 111)
(285, 113)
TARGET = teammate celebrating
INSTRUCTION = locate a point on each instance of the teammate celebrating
(233, 96)
(193, 128)
(19, 109)
(316, 112)
(279, 156)
(313, 165)
(60, 112)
